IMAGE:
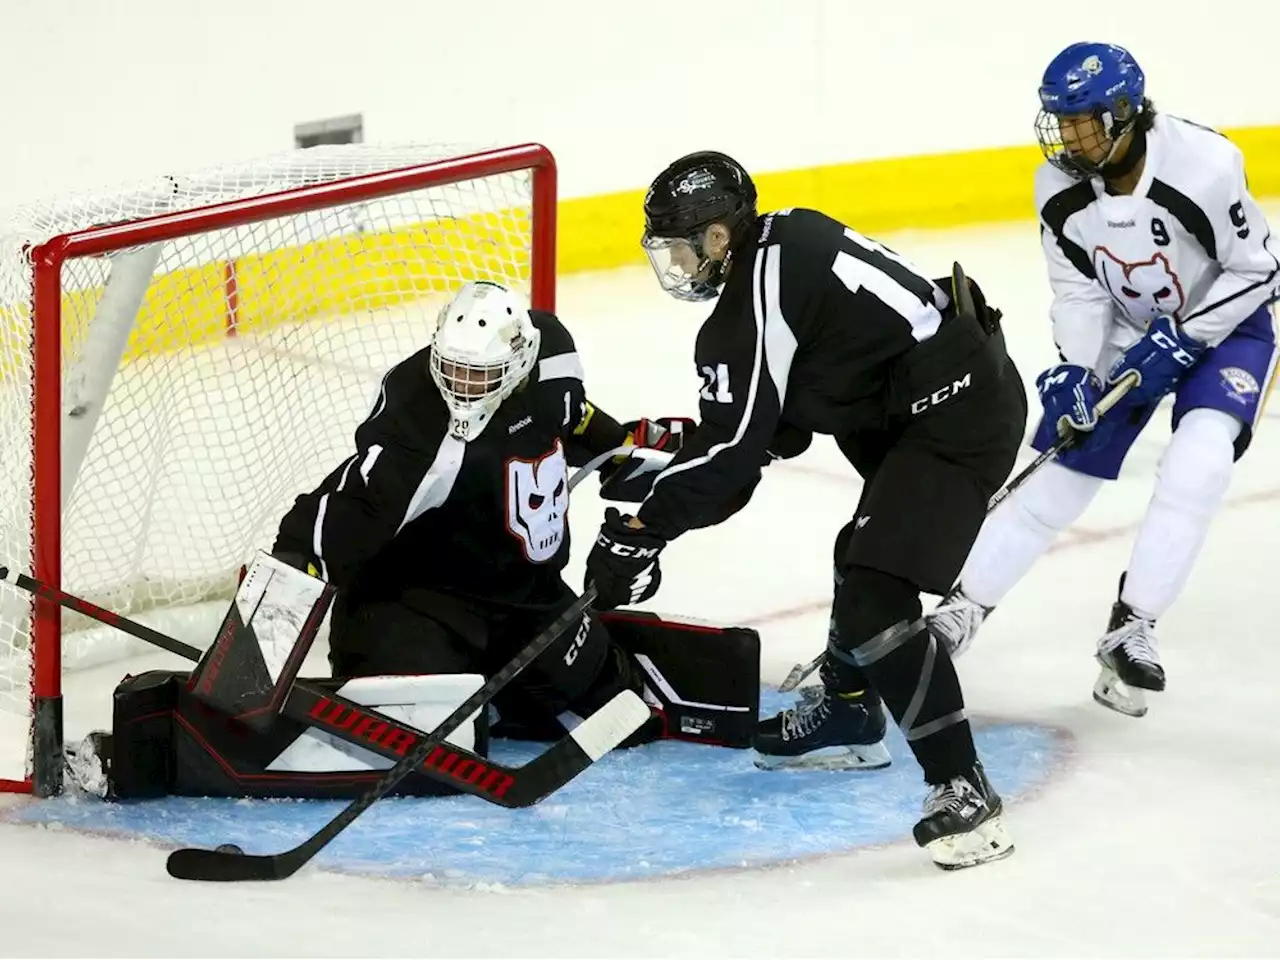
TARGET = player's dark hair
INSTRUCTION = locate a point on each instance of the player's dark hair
(1147, 116)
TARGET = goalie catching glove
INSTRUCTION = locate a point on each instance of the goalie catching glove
(628, 477)
(665, 433)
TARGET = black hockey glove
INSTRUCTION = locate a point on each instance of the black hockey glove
(623, 563)
(788, 442)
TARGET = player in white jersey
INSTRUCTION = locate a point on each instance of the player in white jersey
(1161, 264)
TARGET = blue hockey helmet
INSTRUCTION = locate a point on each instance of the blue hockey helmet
(1100, 81)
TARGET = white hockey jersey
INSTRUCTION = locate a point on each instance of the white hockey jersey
(1189, 242)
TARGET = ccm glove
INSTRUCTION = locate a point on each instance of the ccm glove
(623, 562)
(1160, 358)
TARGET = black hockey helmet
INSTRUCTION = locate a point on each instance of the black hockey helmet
(687, 197)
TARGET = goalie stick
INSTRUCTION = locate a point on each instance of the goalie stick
(463, 769)
(596, 462)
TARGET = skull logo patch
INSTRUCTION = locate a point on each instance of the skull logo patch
(538, 503)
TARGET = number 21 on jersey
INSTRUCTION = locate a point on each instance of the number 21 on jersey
(715, 387)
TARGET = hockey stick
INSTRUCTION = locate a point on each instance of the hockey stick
(1109, 400)
(596, 462)
(228, 865)
(1113, 396)
(328, 711)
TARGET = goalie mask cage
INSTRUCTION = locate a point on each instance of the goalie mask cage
(181, 359)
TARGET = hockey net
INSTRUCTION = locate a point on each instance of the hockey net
(183, 357)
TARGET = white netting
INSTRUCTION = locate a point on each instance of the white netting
(205, 437)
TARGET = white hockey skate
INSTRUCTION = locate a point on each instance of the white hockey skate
(955, 621)
(1130, 662)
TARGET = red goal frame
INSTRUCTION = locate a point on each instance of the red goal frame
(45, 776)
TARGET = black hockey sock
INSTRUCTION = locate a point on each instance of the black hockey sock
(911, 671)
(841, 676)
(838, 675)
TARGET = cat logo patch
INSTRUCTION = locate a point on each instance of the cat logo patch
(1144, 289)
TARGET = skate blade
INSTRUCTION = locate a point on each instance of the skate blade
(869, 756)
(984, 843)
(1114, 694)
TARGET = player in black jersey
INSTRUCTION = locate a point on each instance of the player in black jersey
(445, 535)
(446, 530)
(818, 329)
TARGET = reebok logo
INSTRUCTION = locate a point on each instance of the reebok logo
(519, 424)
(860, 522)
(1121, 224)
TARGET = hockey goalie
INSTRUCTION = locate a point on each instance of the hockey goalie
(436, 552)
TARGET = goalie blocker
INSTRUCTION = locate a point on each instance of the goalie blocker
(239, 726)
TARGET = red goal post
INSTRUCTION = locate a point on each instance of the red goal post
(124, 390)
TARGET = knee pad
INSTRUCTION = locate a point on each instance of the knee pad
(1195, 470)
(1057, 497)
(869, 602)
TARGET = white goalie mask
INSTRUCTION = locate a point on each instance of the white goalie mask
(484, 346)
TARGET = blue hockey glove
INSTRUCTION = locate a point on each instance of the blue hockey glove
(1070, 393)
(1160, 358)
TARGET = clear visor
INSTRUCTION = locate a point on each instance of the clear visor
(680, 271)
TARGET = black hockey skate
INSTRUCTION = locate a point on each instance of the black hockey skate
(1130, 663)
(962, 824)
(824, 731)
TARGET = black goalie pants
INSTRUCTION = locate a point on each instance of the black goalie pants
(425, 632)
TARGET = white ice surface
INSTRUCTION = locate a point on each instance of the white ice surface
(1158, 837)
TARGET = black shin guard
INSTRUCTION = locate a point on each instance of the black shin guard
(880, 633)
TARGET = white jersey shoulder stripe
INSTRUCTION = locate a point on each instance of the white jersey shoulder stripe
(562, 366)
(758, 311)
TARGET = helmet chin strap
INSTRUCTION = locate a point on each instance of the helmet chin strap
(1114, 170)
(715, 268)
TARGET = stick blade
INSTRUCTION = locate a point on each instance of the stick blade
(611, 724)
(223, 867)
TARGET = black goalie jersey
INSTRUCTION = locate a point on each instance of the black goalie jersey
(415, 507)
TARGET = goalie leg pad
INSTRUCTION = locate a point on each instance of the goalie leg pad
(705, 679)
(167, 742)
